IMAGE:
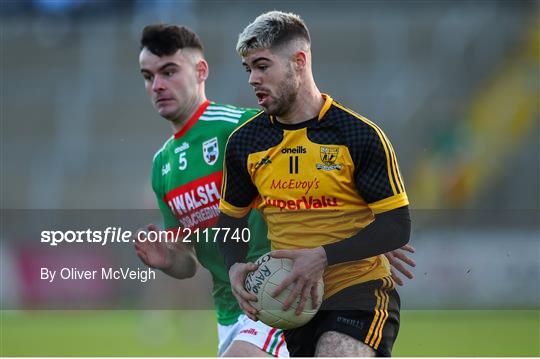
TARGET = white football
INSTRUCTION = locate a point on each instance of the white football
(262, 283)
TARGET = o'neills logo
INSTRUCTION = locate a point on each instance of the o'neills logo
(251, 331)
(295, 150)
(303, 203)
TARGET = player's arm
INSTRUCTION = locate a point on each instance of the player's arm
(234, 254)
(183, 261)
(174, 257)
(379, 182)
(388, 234)
(237, 194)
(389, 231)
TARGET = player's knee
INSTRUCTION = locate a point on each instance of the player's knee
(335, 344)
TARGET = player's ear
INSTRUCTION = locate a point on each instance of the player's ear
(300, 60)
(202, 70)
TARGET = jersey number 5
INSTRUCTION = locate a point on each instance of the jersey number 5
(182, 160)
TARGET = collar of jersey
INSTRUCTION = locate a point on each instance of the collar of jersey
(327, 103)
(291, 127)
(192, 120)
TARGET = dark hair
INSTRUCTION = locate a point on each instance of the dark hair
(164, 40)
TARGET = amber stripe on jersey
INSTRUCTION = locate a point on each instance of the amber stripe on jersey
(374, 335)
(394, 177)
(393, 170)
(396, 167)
(397, 174)
(389, 157)
(388, 285)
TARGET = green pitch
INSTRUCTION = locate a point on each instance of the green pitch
(193, 333)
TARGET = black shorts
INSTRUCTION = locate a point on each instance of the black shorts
(368, 312)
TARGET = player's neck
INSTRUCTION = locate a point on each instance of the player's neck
(188, 113)
(308, 105)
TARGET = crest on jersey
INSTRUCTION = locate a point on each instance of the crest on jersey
(329, 156)
(210, 151)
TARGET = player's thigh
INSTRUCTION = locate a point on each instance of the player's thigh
(373, 319)
(367, 312)
(240, 348)
(257, 338)
(335, 344)
(226, 334)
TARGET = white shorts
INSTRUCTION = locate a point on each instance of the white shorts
(269, 339)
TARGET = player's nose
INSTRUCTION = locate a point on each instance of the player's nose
(254, 79)
(158, 84)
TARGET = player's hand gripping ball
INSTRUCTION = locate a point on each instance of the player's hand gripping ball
(262, 283)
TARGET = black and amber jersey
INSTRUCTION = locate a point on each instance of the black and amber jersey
(317, 182)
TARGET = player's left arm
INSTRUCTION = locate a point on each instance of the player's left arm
(388, 232)
(379, 183)
(237, 194)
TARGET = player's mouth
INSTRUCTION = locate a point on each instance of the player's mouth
(162, 100)
(262, 97)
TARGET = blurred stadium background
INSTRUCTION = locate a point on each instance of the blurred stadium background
(454, 84)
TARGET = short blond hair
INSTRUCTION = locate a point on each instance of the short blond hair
(270, 30)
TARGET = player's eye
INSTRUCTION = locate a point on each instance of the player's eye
(262, 67)
(248, 70)
(148, 77)
(168, 73)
